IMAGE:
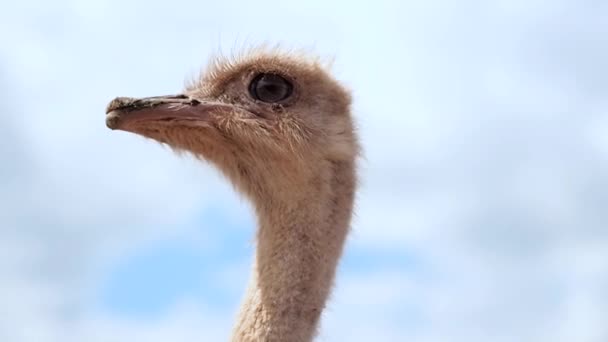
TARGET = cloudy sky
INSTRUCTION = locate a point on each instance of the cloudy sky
(482, 214)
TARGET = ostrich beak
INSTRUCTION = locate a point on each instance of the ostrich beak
(125, 113)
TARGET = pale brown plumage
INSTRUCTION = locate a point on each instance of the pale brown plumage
(280, 128)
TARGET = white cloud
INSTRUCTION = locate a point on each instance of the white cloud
(182, 323)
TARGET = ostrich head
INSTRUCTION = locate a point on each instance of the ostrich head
(267, 120)
(279, 127)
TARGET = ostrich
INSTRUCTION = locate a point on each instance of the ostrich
(279, 127)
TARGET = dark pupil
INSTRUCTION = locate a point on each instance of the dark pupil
(270, 88)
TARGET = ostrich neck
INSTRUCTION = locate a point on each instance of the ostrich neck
(299, 243)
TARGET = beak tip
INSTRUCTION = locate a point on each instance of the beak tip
(113, 120)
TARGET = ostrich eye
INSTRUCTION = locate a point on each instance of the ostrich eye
(270, 88)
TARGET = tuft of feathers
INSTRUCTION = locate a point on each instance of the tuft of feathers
(221, 63)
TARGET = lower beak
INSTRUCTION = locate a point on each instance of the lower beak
(125, 113)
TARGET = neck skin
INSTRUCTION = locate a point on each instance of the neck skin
(299, 243)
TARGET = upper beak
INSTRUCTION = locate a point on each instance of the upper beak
(124, 113)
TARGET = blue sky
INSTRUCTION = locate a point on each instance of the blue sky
(481, 214)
